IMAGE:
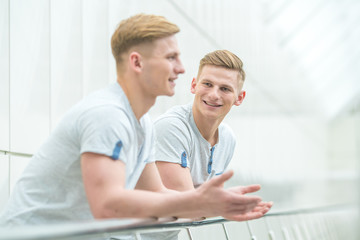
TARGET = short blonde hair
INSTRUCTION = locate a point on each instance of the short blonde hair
(139, 29)
(225, 59)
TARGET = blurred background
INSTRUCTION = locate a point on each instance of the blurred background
(298, 129)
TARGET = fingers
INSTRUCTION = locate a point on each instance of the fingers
(220, 180)
(264, 209)
(265, 204)
(246, 216)
(242, 204)
(232, 203)
(258, 211)
(245, 189)
(245, 199)
(242, 208)
(250, 188)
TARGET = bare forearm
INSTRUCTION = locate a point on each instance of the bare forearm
(141, 204)
(209, 200)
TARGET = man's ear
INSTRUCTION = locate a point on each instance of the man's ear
(193, 85)
(240, 98)
(135, 61)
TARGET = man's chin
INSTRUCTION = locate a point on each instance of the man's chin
(169, 94)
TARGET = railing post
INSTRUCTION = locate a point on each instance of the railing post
(294, 226)
(285, 233)
(137, 236)
(225, 231)
(189, 233)
(253, 237)
(270, 231)
(304, 228)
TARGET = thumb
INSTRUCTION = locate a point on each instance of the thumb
(220, 180)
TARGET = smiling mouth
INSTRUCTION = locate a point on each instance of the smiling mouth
(211, 105)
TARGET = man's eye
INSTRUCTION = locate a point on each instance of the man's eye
(225, 89)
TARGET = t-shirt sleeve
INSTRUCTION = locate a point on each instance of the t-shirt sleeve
(172, 141)
(105, 130)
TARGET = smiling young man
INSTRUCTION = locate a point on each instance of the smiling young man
(192, 143)
(98, 162)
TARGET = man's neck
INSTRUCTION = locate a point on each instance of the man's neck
(208, 128)
(140, 101)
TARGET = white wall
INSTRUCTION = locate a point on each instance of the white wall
(4, 180)
(4, 101)
(52, 53)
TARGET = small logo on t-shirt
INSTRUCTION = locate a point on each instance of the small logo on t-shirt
(211, 159)
(117, 150)
(183, 160)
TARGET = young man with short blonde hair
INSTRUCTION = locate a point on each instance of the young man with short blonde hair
(192, 143)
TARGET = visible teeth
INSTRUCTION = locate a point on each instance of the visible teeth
(213, 105)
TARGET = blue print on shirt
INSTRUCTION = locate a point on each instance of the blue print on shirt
(183, 160)
(211, 159)
(117, 150)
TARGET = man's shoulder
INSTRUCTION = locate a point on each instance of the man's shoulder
(109, 100)
(179, 114)
(175, 122)
(103, 114)
(226, 131)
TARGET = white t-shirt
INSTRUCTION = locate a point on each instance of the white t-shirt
(178, 140)
(51, 188)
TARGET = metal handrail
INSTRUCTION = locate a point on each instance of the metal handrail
(19, 154)
(111, 227)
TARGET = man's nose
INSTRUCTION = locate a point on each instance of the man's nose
(214, 93)
(179, 68)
